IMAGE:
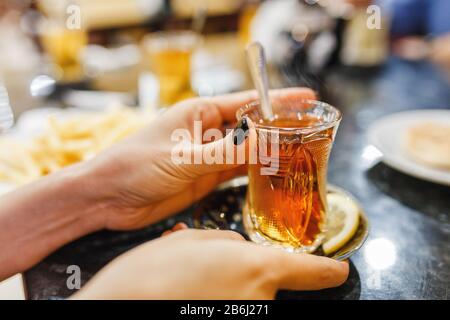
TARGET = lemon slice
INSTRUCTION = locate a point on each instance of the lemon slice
(343, 221)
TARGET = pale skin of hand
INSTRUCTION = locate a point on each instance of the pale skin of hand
(141, 171)
(210, 264)
(129, 186)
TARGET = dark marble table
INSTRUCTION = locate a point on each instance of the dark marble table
(407, 255)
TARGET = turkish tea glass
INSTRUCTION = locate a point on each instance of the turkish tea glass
(286, 201)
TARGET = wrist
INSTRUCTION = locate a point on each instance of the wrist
(41, 217)
(83, 190)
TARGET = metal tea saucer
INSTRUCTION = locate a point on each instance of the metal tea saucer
(222, 210)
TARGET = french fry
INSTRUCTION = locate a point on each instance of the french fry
(65, 142)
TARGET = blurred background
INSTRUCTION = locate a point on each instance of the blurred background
(367, 57)
(153, 53)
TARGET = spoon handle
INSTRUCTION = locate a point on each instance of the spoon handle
(257, 62)
(6, 115)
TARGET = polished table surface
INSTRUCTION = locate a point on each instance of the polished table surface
(407, 255)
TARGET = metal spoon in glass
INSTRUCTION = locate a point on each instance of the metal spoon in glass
(257, 62)
(6, 115)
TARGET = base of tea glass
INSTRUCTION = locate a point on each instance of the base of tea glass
(257, 237)
(222, 210)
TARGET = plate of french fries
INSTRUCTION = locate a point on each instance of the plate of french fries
(46, 140)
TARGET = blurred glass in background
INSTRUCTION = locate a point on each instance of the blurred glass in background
(168, 50)
(118, 58)
(169, 56)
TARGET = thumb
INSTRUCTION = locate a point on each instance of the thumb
(227, 153)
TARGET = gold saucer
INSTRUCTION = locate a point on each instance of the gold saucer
(222, 210)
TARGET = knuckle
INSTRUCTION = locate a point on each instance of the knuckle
(332, 275)
(235, 235)
(193, 101)
(187, 233)
(261, 268)
(201, 103)
(258, 265)
(326, 276)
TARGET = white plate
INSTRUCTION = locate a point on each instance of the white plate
(33, 122)
(388, 136)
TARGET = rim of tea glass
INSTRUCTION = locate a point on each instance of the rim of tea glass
(243, 110)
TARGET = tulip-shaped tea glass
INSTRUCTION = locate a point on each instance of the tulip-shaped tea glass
(286, 201)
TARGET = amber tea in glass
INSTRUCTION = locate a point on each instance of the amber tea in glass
(286, 203)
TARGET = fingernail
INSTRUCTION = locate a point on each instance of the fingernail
(241, 131)
(180, 226)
